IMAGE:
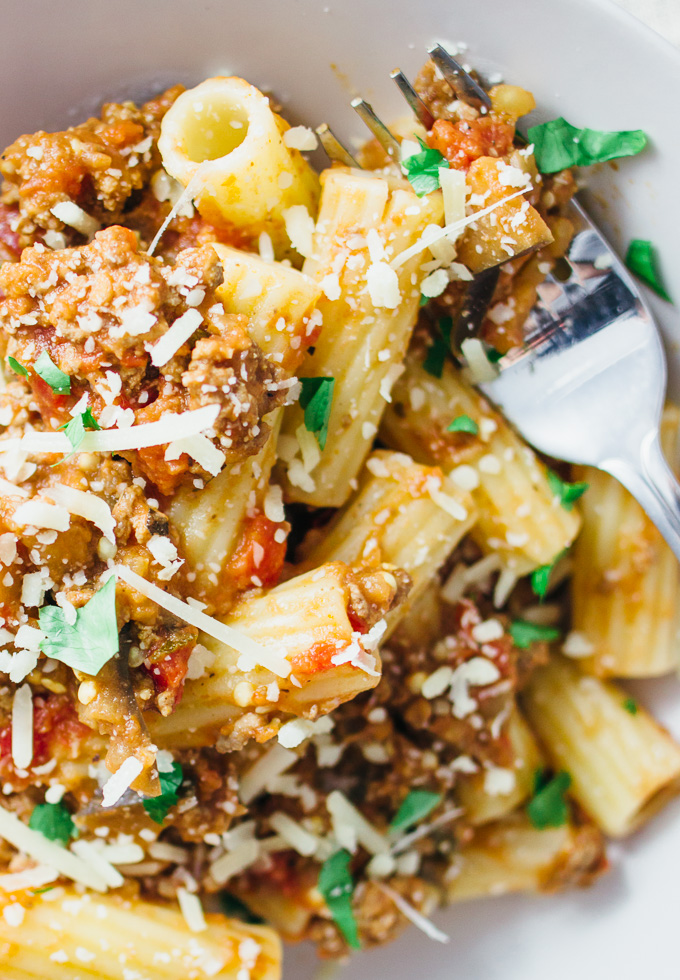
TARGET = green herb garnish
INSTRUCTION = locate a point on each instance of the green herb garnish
(76, 428)
(236, 909)
(558, 145)
(414, 808)
(548, 807)
(337, 887)
(17, 367)
(54, 822)
(422, 169)
(631, 706)
(440, 348)
(158, 807)
(540, 577)
(316, 398)
(463, 423)
(568, 493)
(524, 634)
(59, 382)
(91, 641)
(641, 259)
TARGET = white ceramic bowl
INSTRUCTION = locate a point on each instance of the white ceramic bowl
(584, 59)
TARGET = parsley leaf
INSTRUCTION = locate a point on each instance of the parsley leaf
(17, 367)
(440, 348)
(641, 259)
(236, 909)
(540, 577)
(91, 641)
(316, 398)
(557, 145)
(549, 808)
(414, 808)
(567, 492)
(54, 822)
(75, 429)
(158, 806)
(630, 704)
(59, 382)
(463, 423)
(422, 169)
(337, 886)
(524, 634)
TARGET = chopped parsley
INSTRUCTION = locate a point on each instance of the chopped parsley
(91, 641)
(337, 887)
(54, 822)
(463, 423)
(414, 808)
(236, 909)
(76, 428)
(548, 806)
(558, 145)
(641, 259)
(59, 382)
(440, 348)
(17, 367)
(524, 634)
(568, 493)
(631, 706)
(316, 398)
(158, 807)
(422, 169)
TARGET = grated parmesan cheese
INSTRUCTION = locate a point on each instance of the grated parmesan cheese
(235, 861)
(414, 916)
(351, 826)
(383, 286)
(72, 215)
(301, 840)
(22, 727)
(454, 191)
(38, 513)
(479, 367)
(192, 910)
(300, 138)
(255, 779)
(174, 338)
(299, 228)
(120, 781)
(84, 504)
(200, 448)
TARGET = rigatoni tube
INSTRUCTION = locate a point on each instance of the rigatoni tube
(368, 310)
(623, 765)
(626, 582)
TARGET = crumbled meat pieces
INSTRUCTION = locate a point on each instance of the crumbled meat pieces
(97, 165)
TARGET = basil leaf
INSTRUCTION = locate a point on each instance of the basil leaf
(59, 382)
(558, 145)
(630, 704)
(414, 808)
(463, 423)
(540, 577)
(641, 259)
(337, 887)
(17, 367)
(422, 169)
(440, 348)
(75, 429)
(524, 634)
(54, 822)
(91, 641)
(158, 807)
(567, 492)
(549, 808)
(316, 398)
(236, 909)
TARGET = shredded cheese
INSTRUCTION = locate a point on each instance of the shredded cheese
(174, 338)
(414, 916)
(38, 513)
(199, 448)
(192, 910)
(72, 215)
(255, 779)
(22, 727)
(349, 823)
(120, 781)
(84, 504)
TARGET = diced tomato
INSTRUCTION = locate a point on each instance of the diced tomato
(168, 673)
(56, 732)
(258, 556)
(315, 659)
(9, 238)
(463, 142)
(50, 404)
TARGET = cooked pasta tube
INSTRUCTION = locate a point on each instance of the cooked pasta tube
(279, 303)
(513, 856)
(368, 312)
(402, 513)
(315, 631)
(624, 767)
(520, 517)
(249, 177)
(63, 935)
(626, 582)
(484, 796)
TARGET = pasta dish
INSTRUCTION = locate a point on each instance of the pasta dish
(299, 640)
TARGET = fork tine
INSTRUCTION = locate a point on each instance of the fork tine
(418, 107)
(462, 83)
(377, 127)
(334, 148)
(477, 301)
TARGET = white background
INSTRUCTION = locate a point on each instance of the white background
(662, 15)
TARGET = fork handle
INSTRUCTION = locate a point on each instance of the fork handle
(649, 478)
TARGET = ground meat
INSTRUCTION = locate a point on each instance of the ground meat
(97, 165)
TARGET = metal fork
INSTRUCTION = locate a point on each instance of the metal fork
(589, 382)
